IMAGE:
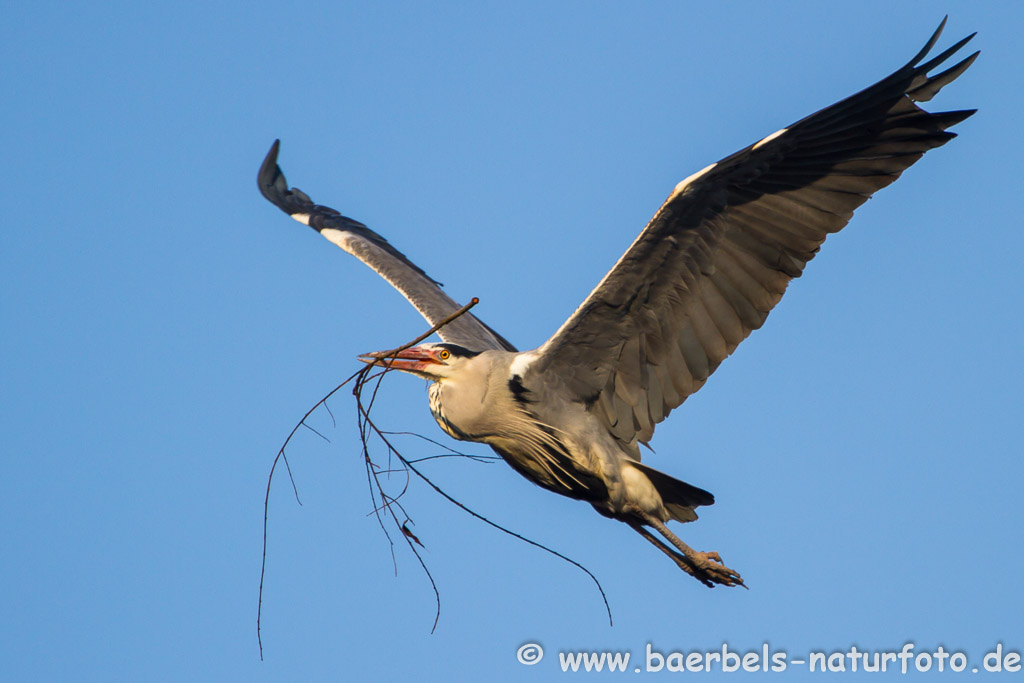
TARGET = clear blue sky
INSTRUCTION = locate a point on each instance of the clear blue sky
(164, 327)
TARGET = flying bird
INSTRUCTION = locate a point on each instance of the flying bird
(571, 415)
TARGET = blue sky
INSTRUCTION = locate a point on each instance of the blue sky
(164, 328)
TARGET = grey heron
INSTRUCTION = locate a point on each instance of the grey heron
(571, 415)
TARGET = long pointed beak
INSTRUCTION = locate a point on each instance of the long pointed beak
(415, 359)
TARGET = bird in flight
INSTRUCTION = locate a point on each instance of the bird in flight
(571, 415)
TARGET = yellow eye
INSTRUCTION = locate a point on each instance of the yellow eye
(445, 354)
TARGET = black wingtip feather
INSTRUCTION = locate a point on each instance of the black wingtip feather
(274, 186)
(934, 84)
(930, 44)
(944, 55)
(271, 180)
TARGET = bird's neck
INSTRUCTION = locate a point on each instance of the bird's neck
(468, 405)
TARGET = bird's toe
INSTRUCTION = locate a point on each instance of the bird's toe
(712, 571)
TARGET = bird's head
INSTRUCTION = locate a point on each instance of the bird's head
(430, 361)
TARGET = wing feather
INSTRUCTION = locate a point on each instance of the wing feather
(719, 253)
(422, 291)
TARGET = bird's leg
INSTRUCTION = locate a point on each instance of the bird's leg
(681, 561)
(706, 567)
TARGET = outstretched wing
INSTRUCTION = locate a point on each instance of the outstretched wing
(420, 289)
(719, 253)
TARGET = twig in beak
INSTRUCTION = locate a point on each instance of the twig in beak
(381, 355)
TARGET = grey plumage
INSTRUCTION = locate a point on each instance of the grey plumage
(420, 289)
(705, 272)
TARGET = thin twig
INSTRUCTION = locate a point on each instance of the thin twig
(447, 497)
(365, 420)
(451, 451)
(281, 456)
(316, 432)
(266, 500)
(383, 355)
(388, 504)
(483, 459)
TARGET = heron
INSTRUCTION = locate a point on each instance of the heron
(572, 414)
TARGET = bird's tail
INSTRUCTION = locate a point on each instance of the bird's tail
(679, 498)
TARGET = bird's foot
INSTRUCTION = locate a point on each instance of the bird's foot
(706, 567)
(710, 570)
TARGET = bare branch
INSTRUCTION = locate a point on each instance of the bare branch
(383, 503)
(266, 500)
(477, 515)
